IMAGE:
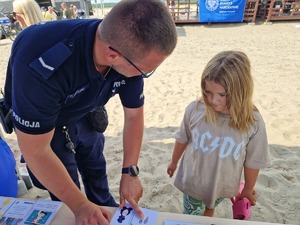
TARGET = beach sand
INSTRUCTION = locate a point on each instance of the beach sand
(274, 53)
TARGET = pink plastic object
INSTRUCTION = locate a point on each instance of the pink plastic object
(241, 208)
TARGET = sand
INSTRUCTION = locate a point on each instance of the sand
(274, 52)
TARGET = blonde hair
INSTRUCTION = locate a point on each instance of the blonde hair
(30, 10)
(231, 70)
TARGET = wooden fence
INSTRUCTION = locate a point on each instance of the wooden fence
(187, 11)
(251, 8)
(283, 10)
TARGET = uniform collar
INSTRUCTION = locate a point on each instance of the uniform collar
(89, 45)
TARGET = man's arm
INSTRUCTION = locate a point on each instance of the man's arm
(46, 166)
(130, 187)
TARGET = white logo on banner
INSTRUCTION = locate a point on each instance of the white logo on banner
(211, 5)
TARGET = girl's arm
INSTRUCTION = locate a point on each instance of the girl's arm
(177, 153)
(250, 180)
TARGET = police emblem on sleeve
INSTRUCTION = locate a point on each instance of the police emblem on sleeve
(211, 5)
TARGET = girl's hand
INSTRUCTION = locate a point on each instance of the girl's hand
(171, 168)
(251, 195)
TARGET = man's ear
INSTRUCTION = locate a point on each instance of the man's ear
(111, 54)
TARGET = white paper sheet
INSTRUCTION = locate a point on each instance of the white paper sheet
(127, 216)
(42, 212)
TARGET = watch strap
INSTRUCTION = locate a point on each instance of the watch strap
(133, 170)
(126, 170)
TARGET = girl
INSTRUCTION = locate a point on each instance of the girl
(221, 135)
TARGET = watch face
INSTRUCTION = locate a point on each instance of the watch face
(134, 171)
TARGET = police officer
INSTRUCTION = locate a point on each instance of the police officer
(67, 69)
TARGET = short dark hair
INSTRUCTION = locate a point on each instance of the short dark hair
(135, 27)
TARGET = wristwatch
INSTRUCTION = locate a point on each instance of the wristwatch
(132, 170)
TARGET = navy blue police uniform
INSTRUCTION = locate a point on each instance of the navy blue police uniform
(52, 83)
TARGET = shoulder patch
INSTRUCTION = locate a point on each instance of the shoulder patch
(50, 60)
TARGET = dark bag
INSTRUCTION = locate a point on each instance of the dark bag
(6, 117)
(98, 119)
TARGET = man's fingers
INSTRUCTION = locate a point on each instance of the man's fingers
(135, 207)
(107, 215)
(122, 201)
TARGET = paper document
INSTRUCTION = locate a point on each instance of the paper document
(126, 216)
(42, 212)
(5, 203)
(14, 211)
(19, 209)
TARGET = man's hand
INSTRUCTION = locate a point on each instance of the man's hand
(91, 214)
(131, 190)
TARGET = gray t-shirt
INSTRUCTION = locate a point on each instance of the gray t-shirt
(212, 164)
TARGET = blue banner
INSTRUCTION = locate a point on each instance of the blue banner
(222, 10)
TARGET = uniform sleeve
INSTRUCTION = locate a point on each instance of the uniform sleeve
(35, 101)
(257, 150)
(132, 93)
